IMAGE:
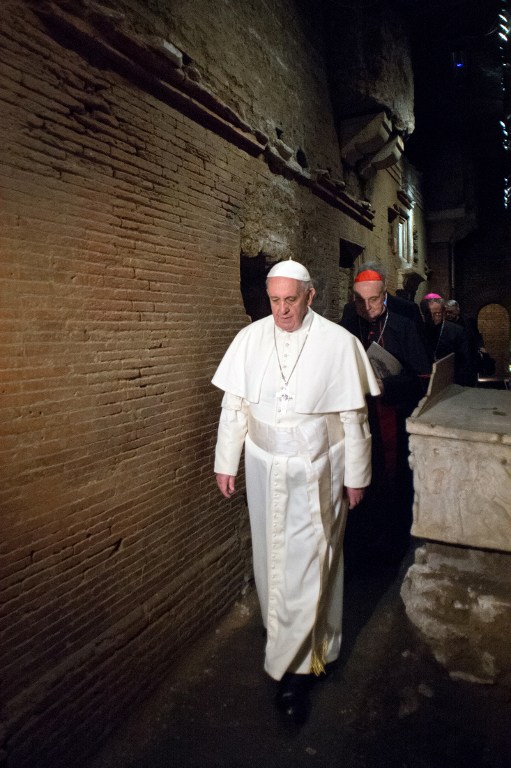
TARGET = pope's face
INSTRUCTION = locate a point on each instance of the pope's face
(369, 297)
(289, 302)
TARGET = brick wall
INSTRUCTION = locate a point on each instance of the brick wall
(122, 221)
(120, 274)
(494, 324)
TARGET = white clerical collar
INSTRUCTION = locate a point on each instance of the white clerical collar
(304, 328)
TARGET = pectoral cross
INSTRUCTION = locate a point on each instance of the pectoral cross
(283, 398)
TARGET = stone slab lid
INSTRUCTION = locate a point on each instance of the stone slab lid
(465, 413)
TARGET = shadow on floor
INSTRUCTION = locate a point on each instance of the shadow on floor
(387, 704)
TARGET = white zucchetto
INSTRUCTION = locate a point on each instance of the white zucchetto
(291, 269)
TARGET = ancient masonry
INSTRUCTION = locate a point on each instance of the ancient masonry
(138, 166)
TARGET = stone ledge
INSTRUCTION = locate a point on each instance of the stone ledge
(159, 67)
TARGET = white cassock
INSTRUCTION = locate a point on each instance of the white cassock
(300, 451)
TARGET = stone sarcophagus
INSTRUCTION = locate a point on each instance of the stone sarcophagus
(458, 591)
(460, 453)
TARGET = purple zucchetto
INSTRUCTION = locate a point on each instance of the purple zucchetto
(290, 268)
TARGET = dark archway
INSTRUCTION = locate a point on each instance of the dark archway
(253, 271)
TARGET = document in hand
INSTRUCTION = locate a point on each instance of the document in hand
(384, 364)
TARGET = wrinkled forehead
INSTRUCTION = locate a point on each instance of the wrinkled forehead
(368, 288)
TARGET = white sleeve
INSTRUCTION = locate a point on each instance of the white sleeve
(357, 441)
(232, 430)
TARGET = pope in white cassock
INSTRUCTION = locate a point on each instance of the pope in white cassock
(295, 386)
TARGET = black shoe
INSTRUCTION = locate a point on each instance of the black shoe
(293, 698)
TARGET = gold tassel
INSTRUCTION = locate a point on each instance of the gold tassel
(318, 659)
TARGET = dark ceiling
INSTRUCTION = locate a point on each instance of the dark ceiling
(459, 96)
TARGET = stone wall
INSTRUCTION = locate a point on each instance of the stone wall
(495, 327)
(120, 272)
(356, 30)
(144, 148)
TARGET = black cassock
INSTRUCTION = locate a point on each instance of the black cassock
(379, 530)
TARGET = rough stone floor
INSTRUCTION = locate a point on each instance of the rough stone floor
(387, 704)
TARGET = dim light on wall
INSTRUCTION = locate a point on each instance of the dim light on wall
(504, 31)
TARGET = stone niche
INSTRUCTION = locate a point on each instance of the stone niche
(458, 591)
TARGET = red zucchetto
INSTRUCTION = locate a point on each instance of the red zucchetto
(368, 274)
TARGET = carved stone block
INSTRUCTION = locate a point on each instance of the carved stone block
(460, 452)
(459, 597)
